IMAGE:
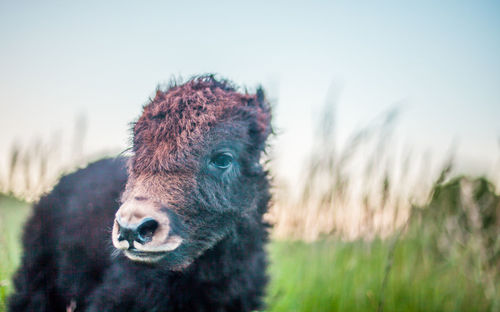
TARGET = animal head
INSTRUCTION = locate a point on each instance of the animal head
(195, 173)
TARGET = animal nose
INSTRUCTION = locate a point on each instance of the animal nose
(141, 233)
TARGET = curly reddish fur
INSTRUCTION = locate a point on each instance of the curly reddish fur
(220, 266)
(182, 116)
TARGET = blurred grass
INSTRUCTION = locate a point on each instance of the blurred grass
(326, 275)
(347, 276)
(13, 212)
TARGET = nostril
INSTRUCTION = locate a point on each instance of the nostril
(121, 234)
(145, 230)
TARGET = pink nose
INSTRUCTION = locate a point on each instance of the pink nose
(141, 233)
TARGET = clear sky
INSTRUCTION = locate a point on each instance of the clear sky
(440, 60)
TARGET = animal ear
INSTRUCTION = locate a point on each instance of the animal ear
(262, 126)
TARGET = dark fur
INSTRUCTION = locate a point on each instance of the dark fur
(68, 251)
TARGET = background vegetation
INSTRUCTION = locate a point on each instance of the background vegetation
(372, 228)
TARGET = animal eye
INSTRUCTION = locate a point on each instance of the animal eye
(222, 160)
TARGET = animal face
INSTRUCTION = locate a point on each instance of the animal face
(195, 174)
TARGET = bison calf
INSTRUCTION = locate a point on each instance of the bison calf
(184, 214)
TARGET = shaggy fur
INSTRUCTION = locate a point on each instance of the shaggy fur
(220, 266)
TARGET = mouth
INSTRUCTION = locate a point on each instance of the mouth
(144, 256)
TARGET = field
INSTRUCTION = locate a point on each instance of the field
(422, 241)
(400, 273)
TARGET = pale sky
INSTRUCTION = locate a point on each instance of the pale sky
(438, 60)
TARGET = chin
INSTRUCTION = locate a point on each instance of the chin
(171, 261)
(145, 257)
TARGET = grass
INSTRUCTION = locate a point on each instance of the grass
(339, 276)
(12, 214)
(327, 275)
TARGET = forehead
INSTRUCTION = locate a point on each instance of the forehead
(185, 120)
